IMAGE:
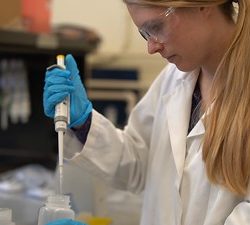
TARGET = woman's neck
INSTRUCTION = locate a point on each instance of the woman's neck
(205, 83)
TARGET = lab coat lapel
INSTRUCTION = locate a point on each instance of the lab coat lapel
(178, 115)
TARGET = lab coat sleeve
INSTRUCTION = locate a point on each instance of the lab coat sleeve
(117, 156)
(241, 213)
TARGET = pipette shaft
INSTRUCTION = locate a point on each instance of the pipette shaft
(61, 120)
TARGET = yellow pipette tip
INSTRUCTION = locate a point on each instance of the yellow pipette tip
(60, 56)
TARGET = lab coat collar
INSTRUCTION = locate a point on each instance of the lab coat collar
(199, 128)
(178, 115)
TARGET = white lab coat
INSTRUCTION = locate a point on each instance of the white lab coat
(154, 154)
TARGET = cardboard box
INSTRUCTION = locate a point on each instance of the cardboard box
(28, 15)
(10, 13)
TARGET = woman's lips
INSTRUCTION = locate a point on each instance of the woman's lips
(170, 58)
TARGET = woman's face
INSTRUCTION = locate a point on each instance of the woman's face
(185, 36)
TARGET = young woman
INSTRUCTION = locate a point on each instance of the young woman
(186, 144)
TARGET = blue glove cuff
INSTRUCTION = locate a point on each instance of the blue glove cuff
(65, 222)
(84, 117)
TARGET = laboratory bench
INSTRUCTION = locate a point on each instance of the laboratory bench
(35, 141)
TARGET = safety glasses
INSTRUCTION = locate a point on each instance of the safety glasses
(155, 29)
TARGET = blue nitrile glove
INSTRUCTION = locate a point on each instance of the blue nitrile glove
(65, 222)
(59, 84)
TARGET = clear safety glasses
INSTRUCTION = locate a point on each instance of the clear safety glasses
(155, 29)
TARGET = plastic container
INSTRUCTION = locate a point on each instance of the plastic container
(6, 216)
(56, 207)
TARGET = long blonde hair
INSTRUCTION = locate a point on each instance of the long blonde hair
(226, 146)
(226, 150)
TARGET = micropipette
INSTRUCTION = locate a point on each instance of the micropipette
(61, 120)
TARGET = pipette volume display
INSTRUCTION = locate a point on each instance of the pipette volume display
(62, 109)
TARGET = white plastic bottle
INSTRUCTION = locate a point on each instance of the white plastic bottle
(56, 207)
(6, 216)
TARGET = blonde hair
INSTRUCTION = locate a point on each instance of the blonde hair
(226, 147)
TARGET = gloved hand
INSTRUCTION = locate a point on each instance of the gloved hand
(59, 84)
(65, 222)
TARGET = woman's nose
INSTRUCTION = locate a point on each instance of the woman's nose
(154, 47)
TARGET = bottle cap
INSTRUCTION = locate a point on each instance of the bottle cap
(59, 200)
